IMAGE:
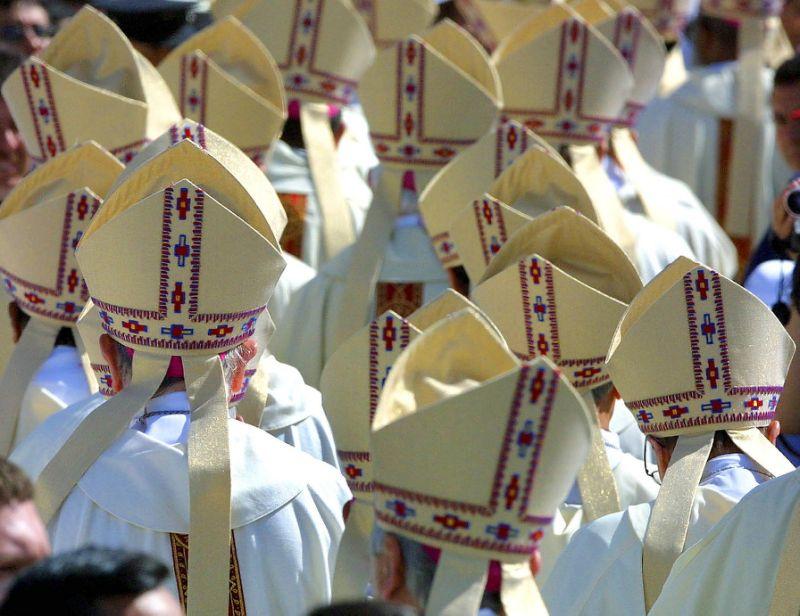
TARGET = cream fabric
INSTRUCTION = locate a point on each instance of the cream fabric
(391, 21)
(600, 571)
(224, 78)
(469, 175)
(137, 493)
(490, 22)
(736, 565)
(88, 65)
(432, 383)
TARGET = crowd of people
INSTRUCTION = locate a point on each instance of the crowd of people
(391, 307)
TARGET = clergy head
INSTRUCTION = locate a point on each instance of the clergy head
(534, 184)
(41, 222)
(224, 78)
(89, 65)
(557, 288)
(23, 537)
(701, 363)
(181, 263)
(470, 460)
(555, 70)
(416, 134)
(786, 113)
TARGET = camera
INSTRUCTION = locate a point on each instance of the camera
(791, 202)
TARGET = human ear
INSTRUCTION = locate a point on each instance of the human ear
(110, 352)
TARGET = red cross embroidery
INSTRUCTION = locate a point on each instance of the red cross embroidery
(542, 345)
(35, 76)
(702, 285)
(488, 212)
(220, 331)
(183, 204)
(511, 138)
(33, 298)
(451, 521)
(73, 280)
(352, 471)
(675, 411)
(83, 208)
(512, 491)
(178, 297)
(644, 416)
(712, 373)
(587, 373)
(134, 326)
(754, 404)
(535, 271)
(537, 386)
(389, 334)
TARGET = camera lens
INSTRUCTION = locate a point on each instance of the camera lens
(792, 201)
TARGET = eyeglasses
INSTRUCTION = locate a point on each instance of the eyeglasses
(14, 33)
(653, 474)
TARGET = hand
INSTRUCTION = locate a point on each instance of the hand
(782, 221)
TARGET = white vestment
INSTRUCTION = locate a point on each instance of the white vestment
(294, 413)
(600, 571)
(634, 486)
(679, 136)
(656, 247)
(293, 278)
(306, 338)
(693, 222)
(631, 439)
(59, 382)
(734, 568)
(289, 173)
(286, 512)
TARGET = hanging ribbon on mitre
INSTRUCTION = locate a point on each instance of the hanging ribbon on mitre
(88, 65)
(729, 366)
(557, 56)
(557, 288)
(414, 139)
(463, 507)
(183, 233)
(41, 222)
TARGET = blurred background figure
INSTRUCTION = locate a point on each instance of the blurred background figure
(155, 27)
(23, 538)
(365, 608)
(25, 26)
(93, 582)
(13, 156)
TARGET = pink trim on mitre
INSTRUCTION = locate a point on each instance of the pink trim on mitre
(294, 110)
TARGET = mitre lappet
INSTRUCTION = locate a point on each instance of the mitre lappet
(558, 288)
(41, 222)
(468, 175)
(89, 65)
(534, 184)
(182, 231)
(472, 458)
(351, 386)
(322, 48)
(728, 356)
(224, 78)
(392, 21)
(415, 138)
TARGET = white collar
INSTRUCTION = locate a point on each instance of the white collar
(727, 462)
(611, 439)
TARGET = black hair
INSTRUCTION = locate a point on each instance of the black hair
(364, 608)
(150, 27)
(788, 73)
(76, 583)
(65, 335)
(9, 61)
(293, 133)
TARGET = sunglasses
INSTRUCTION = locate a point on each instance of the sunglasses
(15, 33)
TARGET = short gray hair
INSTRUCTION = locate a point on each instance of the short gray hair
(419, 566)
